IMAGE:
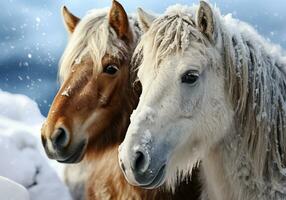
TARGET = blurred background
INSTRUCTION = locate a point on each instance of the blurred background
(32, 36)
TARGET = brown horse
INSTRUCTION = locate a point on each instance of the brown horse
(90, 113)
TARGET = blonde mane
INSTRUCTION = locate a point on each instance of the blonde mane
(94, 37)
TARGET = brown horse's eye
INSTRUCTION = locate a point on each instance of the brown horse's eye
(190, 77)
(110, 69)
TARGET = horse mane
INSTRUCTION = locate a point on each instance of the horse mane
(94, 37)
(256, 82)
(255, 79)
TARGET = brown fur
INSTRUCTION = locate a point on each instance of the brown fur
(112, 98)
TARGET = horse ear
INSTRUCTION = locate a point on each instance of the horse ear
(145, 20)
(70, 20)
(205, 20)
(118, 20)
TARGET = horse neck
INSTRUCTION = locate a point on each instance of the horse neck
(227, 173)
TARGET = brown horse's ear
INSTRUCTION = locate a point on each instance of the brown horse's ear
(118, 20)
(205, 20)
(70, 20)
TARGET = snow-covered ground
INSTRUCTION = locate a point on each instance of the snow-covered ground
(22, 158)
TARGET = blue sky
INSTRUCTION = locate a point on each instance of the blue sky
(32, 36)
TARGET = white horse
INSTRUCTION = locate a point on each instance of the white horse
(214, 92)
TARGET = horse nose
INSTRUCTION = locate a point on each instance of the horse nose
(44, 141)
(60, 139)
(140, 162)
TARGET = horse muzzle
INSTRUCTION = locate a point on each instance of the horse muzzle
(60, 147)
(142, 171)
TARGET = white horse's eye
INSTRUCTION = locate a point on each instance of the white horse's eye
(110, 69)
(190, 77)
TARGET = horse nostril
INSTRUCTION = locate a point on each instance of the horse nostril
(141, 162)
(122, 167)
(44, 141)
(60, 138)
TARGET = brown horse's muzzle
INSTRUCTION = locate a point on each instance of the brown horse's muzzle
(60, 147)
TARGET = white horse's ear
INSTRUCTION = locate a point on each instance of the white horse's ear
(70, 20)
(144, 19)
(205, 20)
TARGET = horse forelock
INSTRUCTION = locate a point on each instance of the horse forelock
(94, 37)
(169, 34)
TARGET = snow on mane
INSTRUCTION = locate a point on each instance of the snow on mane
(235, 27)
(178, 23)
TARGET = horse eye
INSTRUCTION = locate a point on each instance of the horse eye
(190, 77)
(110, 69)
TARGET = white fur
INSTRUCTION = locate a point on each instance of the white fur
(232, 120)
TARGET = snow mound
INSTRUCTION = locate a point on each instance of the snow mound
(21, 154)
(19, 108)
(13, 190)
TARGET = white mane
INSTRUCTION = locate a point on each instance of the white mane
(94, 36)
(255, 78)
(170, 34)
